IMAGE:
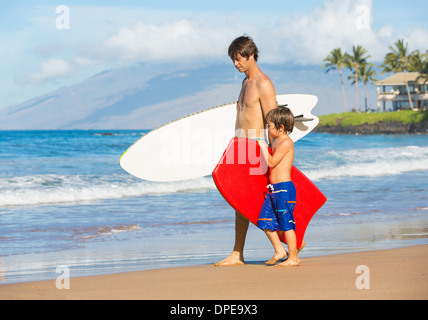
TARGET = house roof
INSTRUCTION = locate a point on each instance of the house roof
(400, 78)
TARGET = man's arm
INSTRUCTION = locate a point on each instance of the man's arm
(237, 124)
(267, 98)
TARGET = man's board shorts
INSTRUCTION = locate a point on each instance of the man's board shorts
(278, 207)
(261, 139)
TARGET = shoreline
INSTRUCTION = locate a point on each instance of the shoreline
(400, 273)
(381, 127)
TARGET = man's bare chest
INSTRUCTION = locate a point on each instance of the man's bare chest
(249, 96)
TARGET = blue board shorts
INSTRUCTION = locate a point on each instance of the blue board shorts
(278, 207)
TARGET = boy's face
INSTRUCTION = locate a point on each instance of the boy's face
(273, 131)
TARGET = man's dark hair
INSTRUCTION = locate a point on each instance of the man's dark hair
(244, 46)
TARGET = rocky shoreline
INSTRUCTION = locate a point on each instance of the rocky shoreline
(390, 127)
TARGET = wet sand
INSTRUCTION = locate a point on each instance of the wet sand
(388, 274)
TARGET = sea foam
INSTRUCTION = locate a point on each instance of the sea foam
(368, 163)
(57, 189)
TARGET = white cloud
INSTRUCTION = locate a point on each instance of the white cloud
(83, 61)
(110, 37)
(338, 23)
(386, 31)
(298, 38)
(168, 41)
(50, 70)
(418, 39)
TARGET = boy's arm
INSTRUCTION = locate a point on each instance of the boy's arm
(280, 152)
(264, 151)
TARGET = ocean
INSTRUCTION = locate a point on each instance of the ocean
(65, 201)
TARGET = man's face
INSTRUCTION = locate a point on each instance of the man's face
(241, 63)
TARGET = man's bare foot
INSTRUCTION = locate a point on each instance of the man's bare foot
(289, 263)
(233, 260)
(277, 257)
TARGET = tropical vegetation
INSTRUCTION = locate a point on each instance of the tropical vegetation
(353, 118)
(398, 59)
(336, 61)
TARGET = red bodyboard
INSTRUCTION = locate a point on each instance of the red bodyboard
(241, 177)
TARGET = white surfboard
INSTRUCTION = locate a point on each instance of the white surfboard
(190, 147)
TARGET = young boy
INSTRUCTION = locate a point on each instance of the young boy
(277, 210)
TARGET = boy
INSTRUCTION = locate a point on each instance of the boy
(277, 210)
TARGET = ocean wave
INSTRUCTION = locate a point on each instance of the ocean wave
(367, 163)
(97, 232)
(60, 189)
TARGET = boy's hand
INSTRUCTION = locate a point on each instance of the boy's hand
(262, 144)
(264, 150)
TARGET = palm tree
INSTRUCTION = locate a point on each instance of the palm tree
(390, 64)
(354, 62)
(423, 71)
(419, 63)
(399, 57)
(368, 74)
(416, 61)
(336, 60)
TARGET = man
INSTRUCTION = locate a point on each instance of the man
(256, 99)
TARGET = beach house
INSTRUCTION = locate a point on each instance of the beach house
(393, 89)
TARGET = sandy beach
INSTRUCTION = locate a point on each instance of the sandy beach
(388, 274)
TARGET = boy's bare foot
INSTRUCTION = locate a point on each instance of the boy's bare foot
(302, 246)
(289, 263)
(233, 260)
(276, 258)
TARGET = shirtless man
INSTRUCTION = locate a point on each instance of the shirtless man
(256, 99)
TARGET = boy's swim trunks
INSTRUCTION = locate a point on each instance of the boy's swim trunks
(278, 207)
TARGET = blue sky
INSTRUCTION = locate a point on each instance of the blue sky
(36, 57)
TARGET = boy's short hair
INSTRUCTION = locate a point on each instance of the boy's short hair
(281, 116)
(245, 47)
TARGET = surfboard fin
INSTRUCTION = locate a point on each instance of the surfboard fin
(301, 118)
